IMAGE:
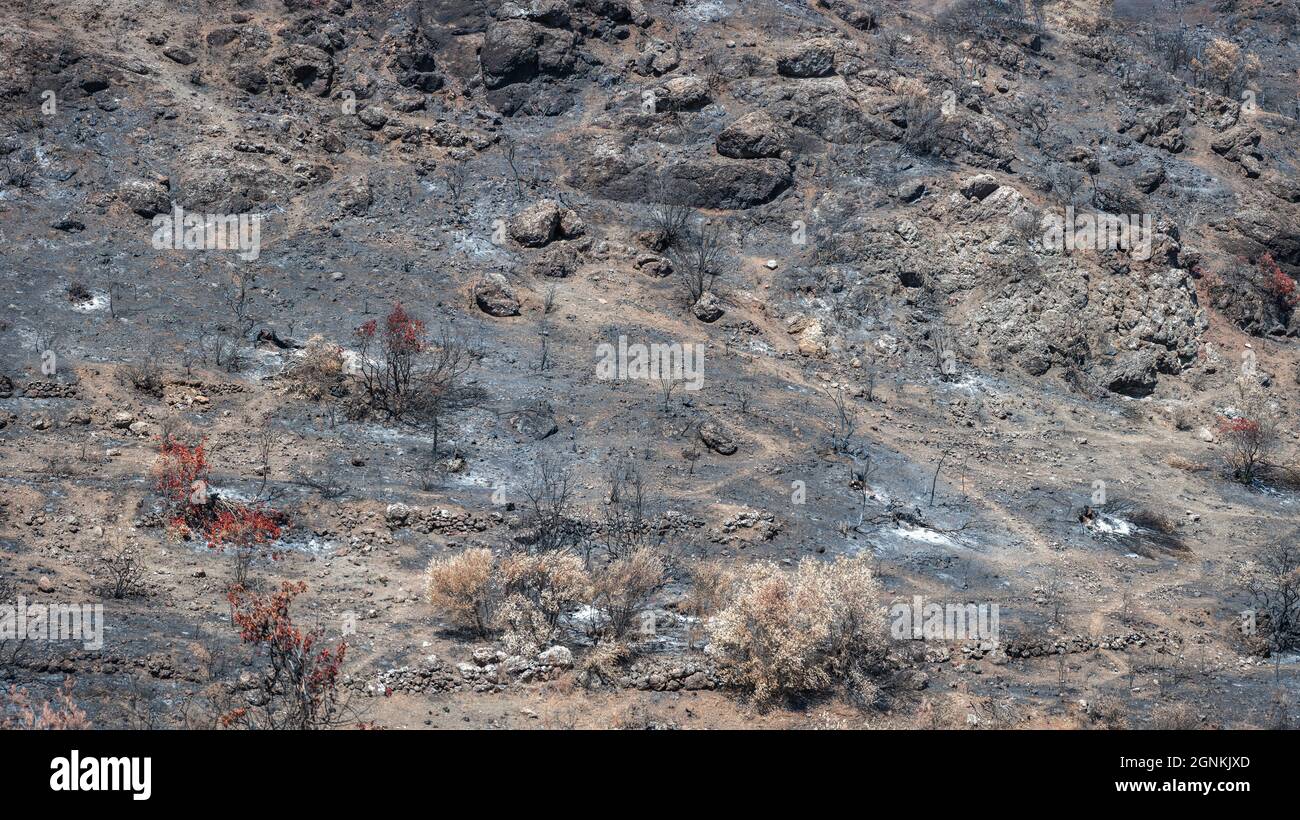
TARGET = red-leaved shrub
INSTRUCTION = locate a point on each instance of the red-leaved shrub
(245, 531)
(298, 686)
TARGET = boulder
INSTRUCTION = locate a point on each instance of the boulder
(179, 55)
(1149, 177)
(509, 53)
(556, 656)
(708, 308)
(657, 57)
(355, 196)
(556, 262)
(1236, 142)
(145, 198)
(248, 78)
(682, 94)
(416, 69)
(517, 51)
(815, 58)
(654, 265)
(308, 68)
(728, 184)
(716, 438)
(544, 221)
(753, 136)
(910, 190)
(373, 117)
(1133, 374)
(979, 186)
(495, 297)
(535, 421)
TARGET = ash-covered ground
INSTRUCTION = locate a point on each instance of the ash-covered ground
(984, 305)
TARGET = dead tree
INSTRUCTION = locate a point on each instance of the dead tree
(842, 425)
(698, 259)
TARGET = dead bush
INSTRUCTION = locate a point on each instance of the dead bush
(523, 596)
(925, 125)
(1178, 717)
(317, 372)
(1272, 583)
(1110, 713)
(669, 218)
(602, 663)
(121, 568)
(627, 523)
(538, 590)
(145, 377)
(465, 589)
(698, 259)
(710, 586)
(78, 293)
(786, 634)
(549, 508)
(623, 588)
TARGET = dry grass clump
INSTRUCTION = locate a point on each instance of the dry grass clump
(788, 634)
(19, 711)
(1186, 465)
(1180, 717)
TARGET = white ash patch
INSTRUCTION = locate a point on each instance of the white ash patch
(1111, 525)
(96, 302)
(923, 534)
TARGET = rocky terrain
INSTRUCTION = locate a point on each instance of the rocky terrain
(850, 206)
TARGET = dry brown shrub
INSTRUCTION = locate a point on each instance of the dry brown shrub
(539, 589)
(624, 587)
(803, 632)
(464, 588)
(1179, 717)
(318, 369)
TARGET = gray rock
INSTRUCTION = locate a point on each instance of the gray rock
(495, 297)
(1133, 374)
(753, 136)
(815, 58)
(1150, 177)
(145, 198)
(557, 655)
(509, 53)
(708, 308)
(682, 94)
(716, 438)
(543, 222)
(373, 117)
(248, 78)
(179, 55)
(979, 186)
(910, 190)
